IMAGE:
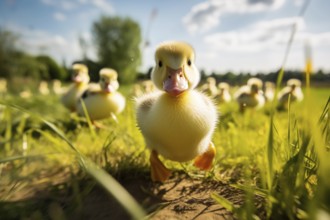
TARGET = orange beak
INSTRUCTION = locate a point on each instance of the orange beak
(175, 83)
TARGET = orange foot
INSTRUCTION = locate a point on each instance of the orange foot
(204, 161)
(158, 171)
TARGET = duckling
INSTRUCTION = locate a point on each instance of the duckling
(136, 90)
(292, 89)
(250, 95)
(57, 87)
(177, 121)
(104, 101)
(43, 88)
(210, 87)
(3, 86)
(269, 91)
(80, 80)
(223, 95)
(148, 86)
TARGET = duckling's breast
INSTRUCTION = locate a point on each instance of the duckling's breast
(179, 128)
(69, 99)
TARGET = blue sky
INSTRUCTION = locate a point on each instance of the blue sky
(228, 35)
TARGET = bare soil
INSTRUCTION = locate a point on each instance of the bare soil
(181, 197)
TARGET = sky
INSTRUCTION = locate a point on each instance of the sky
(227, 35)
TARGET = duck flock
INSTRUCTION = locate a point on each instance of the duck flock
(175, 114)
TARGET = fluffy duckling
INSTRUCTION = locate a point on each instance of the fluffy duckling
(250, 95)
(178, 121)
(43, 88)
(104, 101)
(292, 89)
(57, 87)
(223, 95)
(80, 80)
(269, 91)
(210, 87)
(148, 86)
(136, 90)
(3, 86)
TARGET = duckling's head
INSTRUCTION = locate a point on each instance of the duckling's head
(80, 73)
(211, 81)
(293, 83)
(255, 84)
(175, 71)
(108, 80)
(223, 86)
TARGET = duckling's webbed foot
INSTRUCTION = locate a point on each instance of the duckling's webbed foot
(204, 161)
(158, 171)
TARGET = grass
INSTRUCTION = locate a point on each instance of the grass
(282, 158)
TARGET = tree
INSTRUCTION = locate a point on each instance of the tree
(8, 51)
(54, 70)
(118, 45)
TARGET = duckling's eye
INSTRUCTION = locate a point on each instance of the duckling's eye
(189, 62)
(160, 64)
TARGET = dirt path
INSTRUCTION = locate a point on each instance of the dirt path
(179, 198)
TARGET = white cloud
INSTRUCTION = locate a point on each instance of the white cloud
(59, 16)
(57, 46)
(67, 5)
(103, 5)
(206, 15)
(261, 35)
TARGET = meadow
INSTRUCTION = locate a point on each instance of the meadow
(269, 165)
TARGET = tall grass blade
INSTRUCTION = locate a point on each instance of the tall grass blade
(89, 122)
(101, 176)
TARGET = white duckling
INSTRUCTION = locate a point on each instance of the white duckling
(104, 101)
(80, 80)
(250, 95)
(178, 121)
(210, 87)
(293, 89)
(223, 95)
(269, 91)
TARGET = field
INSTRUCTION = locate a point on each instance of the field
(54, 165)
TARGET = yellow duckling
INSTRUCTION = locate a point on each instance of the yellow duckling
(104, 101)
(177, 122)
(80, 80)
(250, 95)
(269, 91)
(43, 88)
(292, 89)
(147, 86)
(210, 87)
(223, 95)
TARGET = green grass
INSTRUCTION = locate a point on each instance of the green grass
(283, 158)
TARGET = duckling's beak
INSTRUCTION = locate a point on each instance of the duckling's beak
(108, 88)
(77, 78)
(175, 82)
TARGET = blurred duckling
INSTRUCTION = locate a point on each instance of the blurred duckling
(178, 121)
(80, 80)
(136, 90)
(269, 91)
(103, 101)
(210, 87)
(3, 86)
(57, 87)
(43, 88)
(148, 86)
(223, 95)
(292, 90)
(250, 95)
